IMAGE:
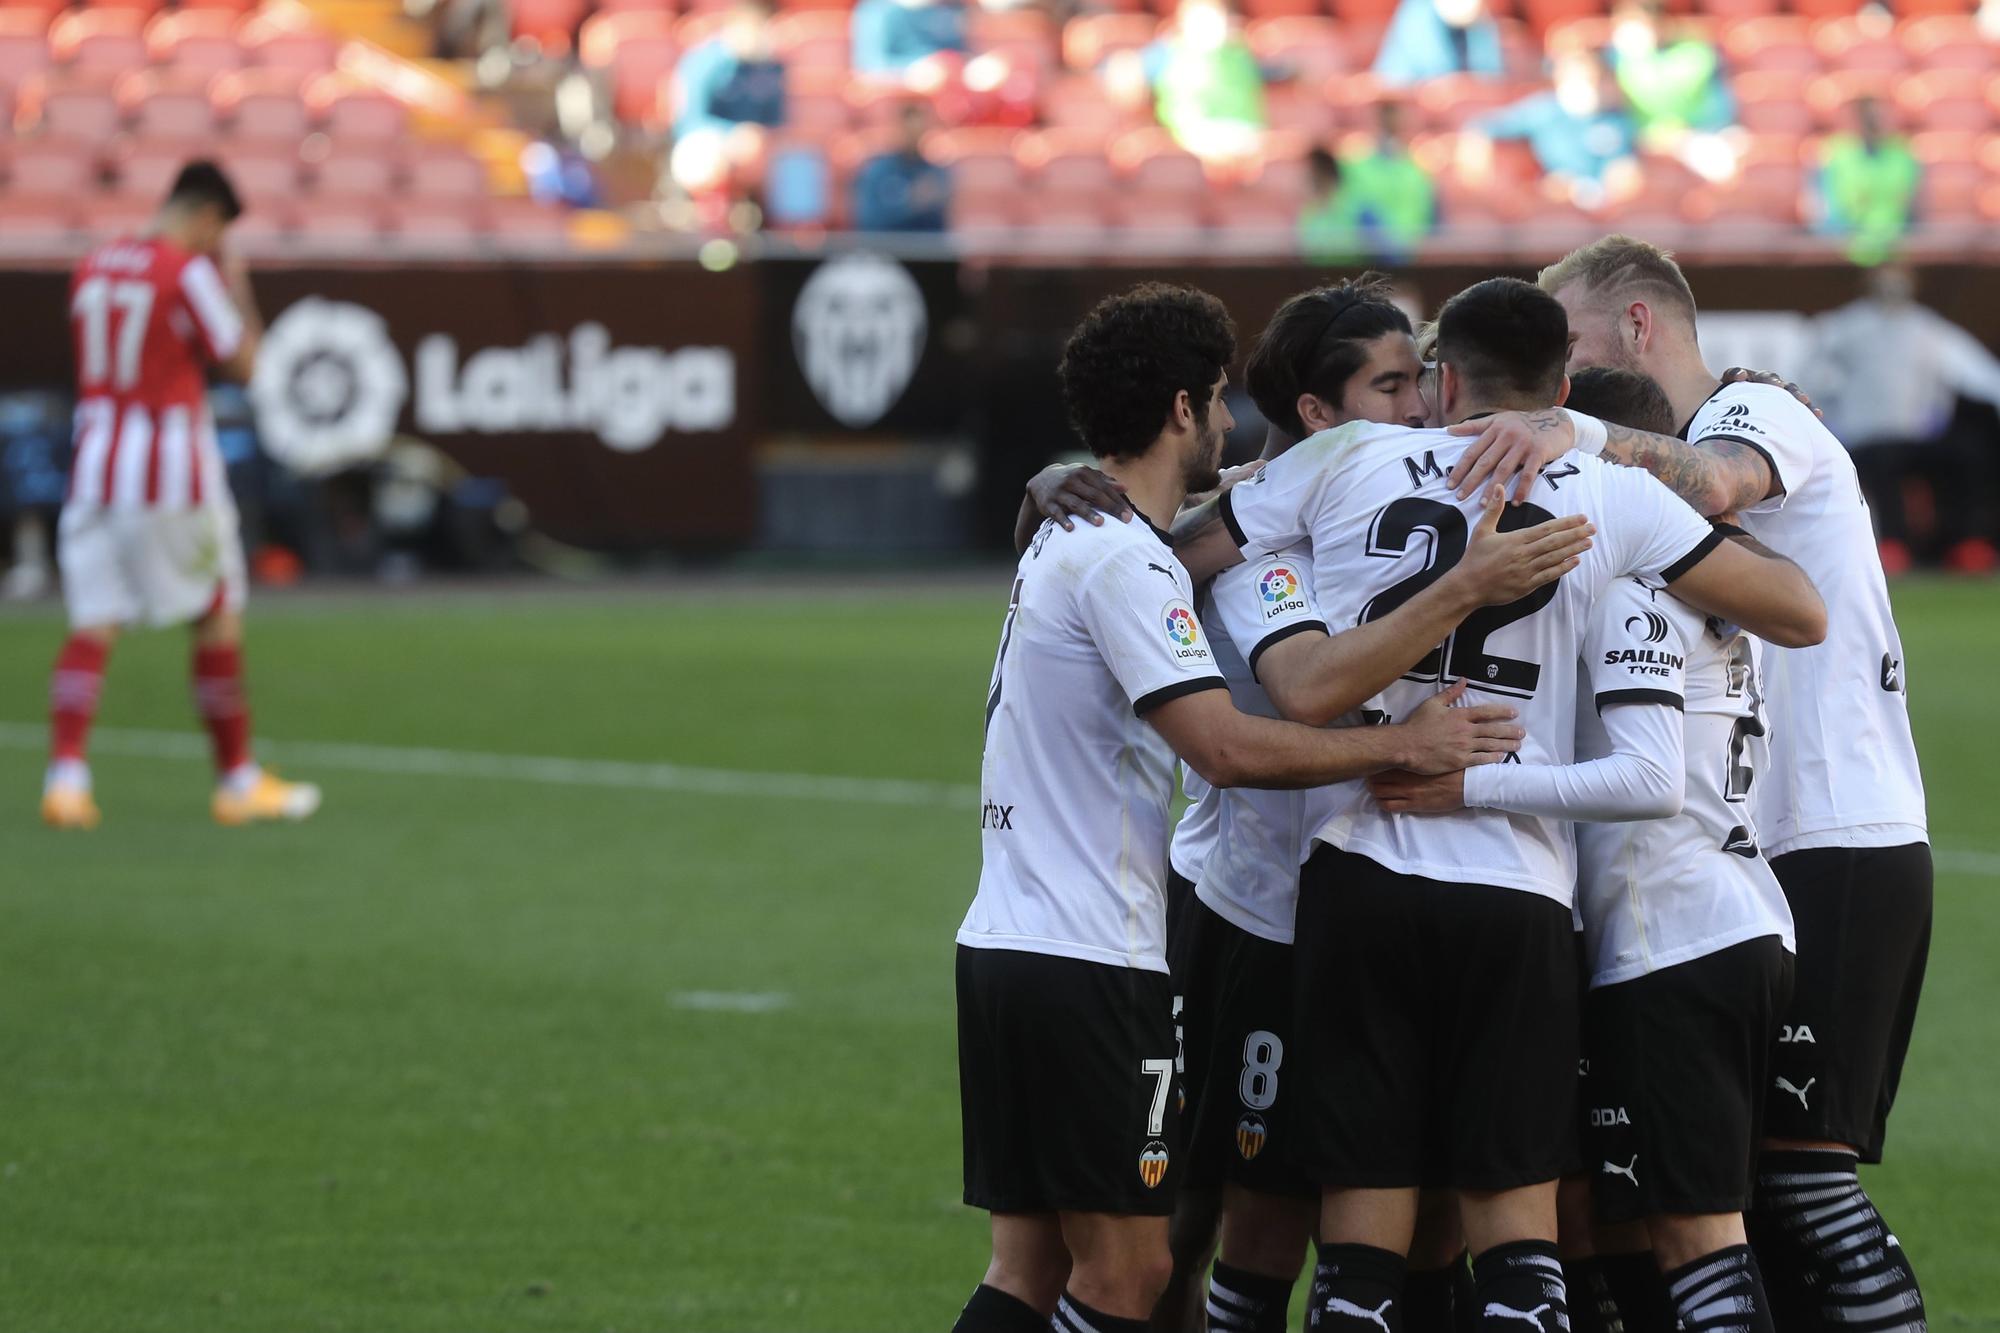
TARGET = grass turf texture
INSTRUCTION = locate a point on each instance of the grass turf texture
(418, 1065)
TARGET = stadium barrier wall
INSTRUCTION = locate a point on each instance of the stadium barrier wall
(629, 404)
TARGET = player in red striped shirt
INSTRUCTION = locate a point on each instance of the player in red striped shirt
(148, 535)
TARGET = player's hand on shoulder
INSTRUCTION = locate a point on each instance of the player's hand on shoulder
(1063, 491)
(1512, 449)
(1404, 793)
(1501, 567)
(1740, 375)
(1441, 737)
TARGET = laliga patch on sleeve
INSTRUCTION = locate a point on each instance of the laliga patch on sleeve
(1281, 588)
(1183, 632)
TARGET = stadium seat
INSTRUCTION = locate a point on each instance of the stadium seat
(525, 222)
(1913, 9)
(1065, 162)
(344, 222)
(1950, 189)
(1727, 12)
(981, 159)
(1950, 99)
(1948, 41)
(99, 40)
(985, 220)
(1174, 220)
(442, 172)
(1091, 39)
(1077, 220)
(144, 168)
(226, 6)
(1080, 102)
(72, 107)
(145, 9)
(263, 170)
(638, 52)
(1865, 43)
(1663, 183)
(349, 111)
(1826, 9)
(812, 39)
(164, 103)
(1352, 98)
(1778, 43)
(261, 104)
(1300, 110)
(1369, 13)
(35, 14)
(1309, 48)
(1027, 37)
(1774, 102)
(24, 46)
(436, 221)
(357, 171)
(1587, 32)
(30, 220)
(1831, 96)
(196, 40)
(550, 24)
(1152, 163)
(1278, 9)
(112, 219)
(50, 166)
(1541, 15)
(1450, 102)
(277, 45)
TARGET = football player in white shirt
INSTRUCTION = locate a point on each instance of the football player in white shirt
(1066, 1042)
(1841, 811)
(1435, 966)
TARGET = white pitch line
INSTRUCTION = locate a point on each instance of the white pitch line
(732, 1001)
(1967, 863)
(405, 761)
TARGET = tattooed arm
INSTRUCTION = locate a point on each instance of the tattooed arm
(1715, 476)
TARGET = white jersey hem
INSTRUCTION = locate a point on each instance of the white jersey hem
(1852, 833)
(1688, 953)
(1083, 953)
(1239, 918)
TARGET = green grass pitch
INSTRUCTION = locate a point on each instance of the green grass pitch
(427, 1063)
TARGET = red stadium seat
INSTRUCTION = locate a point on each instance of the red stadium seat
(114, 219)
(1075, 219)
(1827, 9)
(53, 166)
(1066, 162)
(1311, 48)
(1542, 15)
(261, 104)
(1831, 96)
(144, 168)
(24, 46)
(1027, 36)
(1174, 220)
(1279, 9)
(812, 39)
(1353, 99)
(1865, 43)
(1152, 163)
(980, 221)
(145, 9)
(981, 159)
(1735, 11)
(78, 108)
(550, 24)
(277, 45)
(639, 51)
(1780, 43)
(30, 220)
(635, 6)
(1914, 9)
(99, 40)
(1370, 13)
(1950, 99)
(262, 171)
(1280, 171)
(1948, 41)
(1089, 40)
(355, 172)
(35, 15)
(1299, 110)
(349, 222)
(1951, 189)
(197, 40)
(1080, 102)
(167, 103)
(446, 173)
(226, 6)
(1452, 101)
(604, 32)
(438, 221)
(525, 222)
(1589, 32)
(350, 111)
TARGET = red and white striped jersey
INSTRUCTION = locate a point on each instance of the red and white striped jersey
(149, 319)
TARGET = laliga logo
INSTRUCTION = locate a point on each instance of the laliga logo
(1277, 584)
(328, 387)
(858, 329)
(1180, 626)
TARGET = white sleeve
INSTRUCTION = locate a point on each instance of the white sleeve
(1274, 509)
(1635, 660)
(1769, 420)
(214, 313)
(1262, 601)
(1644, 776)
(1968, 366)
(1647, 529)
(1145, 627)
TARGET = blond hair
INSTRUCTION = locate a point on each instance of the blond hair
(1620, 264)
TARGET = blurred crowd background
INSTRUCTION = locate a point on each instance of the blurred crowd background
(1345, 128)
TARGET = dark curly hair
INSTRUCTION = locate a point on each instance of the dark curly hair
(1623, 398)
(1132, 354)
(1315, 343)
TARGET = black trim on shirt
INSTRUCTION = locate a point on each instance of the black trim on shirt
(1692, 558)
(1762, 452)
(1641, 697)
(1166, 538)
(1689, 423)
(1229, 520)
(1179, 689)
(1278, 636)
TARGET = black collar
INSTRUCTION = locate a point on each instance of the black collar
(1688, 425)
(1166, 538)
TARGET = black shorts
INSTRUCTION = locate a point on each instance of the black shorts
(1863, 920)
(1436, 1030)
(1679, 1061)
(1180, 906)
(1238, 1020)
(1066, 1085)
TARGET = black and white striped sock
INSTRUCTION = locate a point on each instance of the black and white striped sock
(1520, 1289)
(1721, 1293)
(1356, 1289)
(1830, 1263)
(1073, 1316)
(992, 1310)
(1245, 1302)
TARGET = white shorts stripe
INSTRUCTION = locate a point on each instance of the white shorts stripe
(135, 455)
(177, 460)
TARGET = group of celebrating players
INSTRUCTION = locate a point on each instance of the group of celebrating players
(1545, 935)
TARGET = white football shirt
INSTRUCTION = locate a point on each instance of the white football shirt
(1075, 784)
(1246, 843)
(1383, 525)
(1843, 762)
(1658, 892)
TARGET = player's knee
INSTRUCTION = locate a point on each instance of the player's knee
(1268, 1235)
(1037, 1279)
